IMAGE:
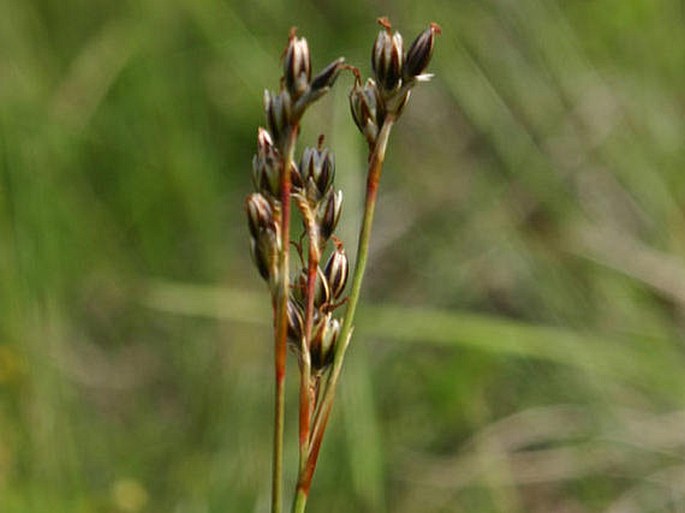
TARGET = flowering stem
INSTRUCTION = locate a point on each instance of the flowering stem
(326, 404)
(373, 179)
(305, 363)
(281, 321)
(300, 502)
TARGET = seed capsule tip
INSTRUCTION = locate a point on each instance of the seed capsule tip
(384, 22)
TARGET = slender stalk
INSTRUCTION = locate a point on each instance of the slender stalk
(372, 181)
(323, 413)
(305, 358)
(305, 409)
(281, 321)
(305, 364)
(300, 502)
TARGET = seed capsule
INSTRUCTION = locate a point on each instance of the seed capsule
(278, 110)
(265, 240)
(420, 52)
(266, 166)
(297, 66)
(387, 56)
(259, 213)
(295, 322)
(265, 248)
(364, 106)
(327, 77)
(322, 292)
(329, 214)
(264, 142)
(337, 270)
(322, 348)
(296, 177)
(318, 170)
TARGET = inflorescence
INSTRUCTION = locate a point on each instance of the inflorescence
(306, 305)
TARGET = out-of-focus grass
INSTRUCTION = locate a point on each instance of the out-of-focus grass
(521, 345)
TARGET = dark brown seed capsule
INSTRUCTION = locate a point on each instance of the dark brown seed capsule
(259, 259)
(329, 214)
(296, 177)
(295, 321)
(328, 342)
(420, 52)
(277, 107)
(364, 106)
(297, 68)
(265, 248)
(336, 271)
(387, 57)
(318, 168)
(322, 292)
(327, 77)
(266, 166)
(259, 213)
(322, 348)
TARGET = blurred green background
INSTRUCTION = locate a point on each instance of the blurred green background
(520, 343)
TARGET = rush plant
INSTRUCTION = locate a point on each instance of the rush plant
(308, 304)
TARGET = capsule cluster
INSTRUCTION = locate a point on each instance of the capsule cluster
(321, 205)
(263, 207)
(283, 112)
(395, 73)
(298, 88)
(312, 189)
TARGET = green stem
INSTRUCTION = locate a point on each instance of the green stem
(281, 321)
(300, 502)
(373, 178)
(323, 413)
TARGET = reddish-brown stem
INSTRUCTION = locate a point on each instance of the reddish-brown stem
(305, 359)
(282, 319)
(281, 323)
(305, 481)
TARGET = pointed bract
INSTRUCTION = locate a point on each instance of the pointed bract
(327, 77)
